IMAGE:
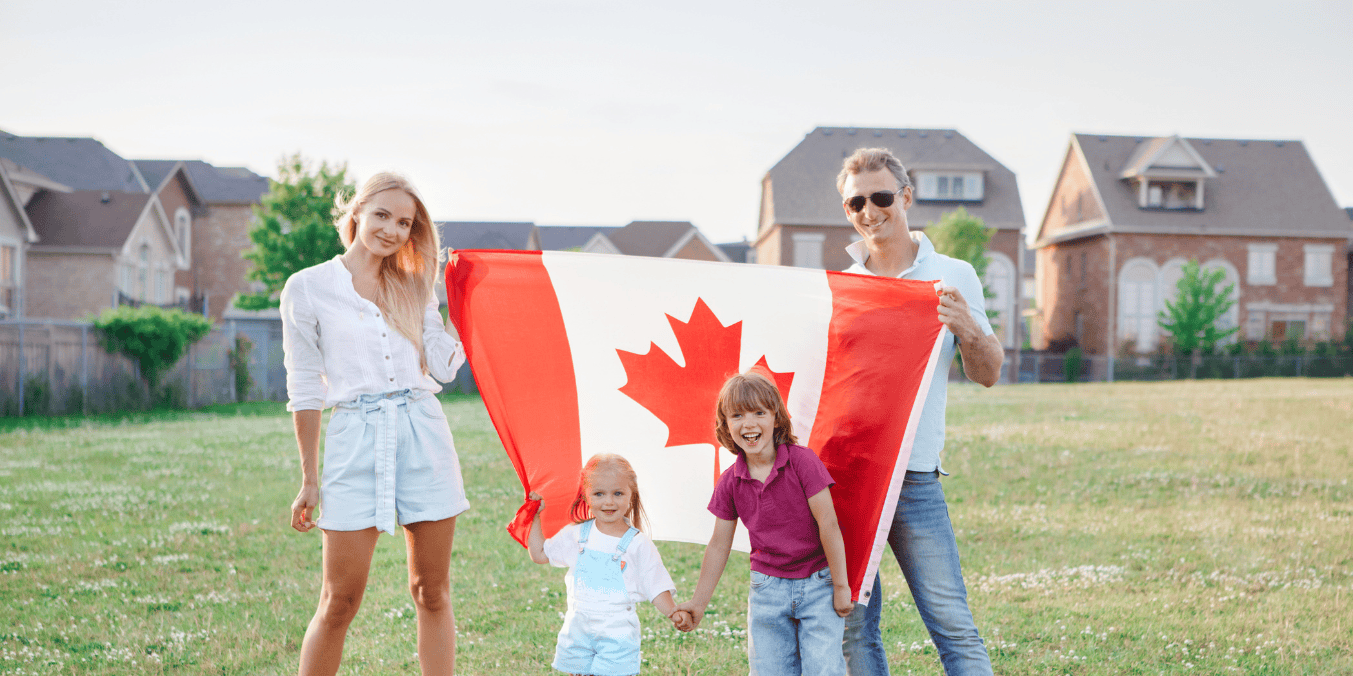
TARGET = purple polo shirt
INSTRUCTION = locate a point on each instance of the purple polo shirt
(785, 540)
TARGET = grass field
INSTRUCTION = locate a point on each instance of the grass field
(1171, 528)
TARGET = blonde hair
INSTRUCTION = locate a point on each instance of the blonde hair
(581, 511)
(405, 280)
(868, 160)
(748, 392)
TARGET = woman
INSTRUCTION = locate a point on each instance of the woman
(362, 333)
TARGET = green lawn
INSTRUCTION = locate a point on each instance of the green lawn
(1140, 528)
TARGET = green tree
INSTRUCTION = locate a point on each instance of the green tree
(153, 337)
(238, 359)
(1192, 316)
(961, 235)
(294, 226)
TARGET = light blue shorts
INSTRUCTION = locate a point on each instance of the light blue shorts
(389, 459)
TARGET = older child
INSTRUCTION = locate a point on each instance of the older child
(779, 490)
(612, 566)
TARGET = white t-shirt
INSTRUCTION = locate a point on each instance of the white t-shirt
(645, 576)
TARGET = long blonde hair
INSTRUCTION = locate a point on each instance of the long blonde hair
(405, 280)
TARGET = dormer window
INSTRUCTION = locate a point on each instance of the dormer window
(965, 186)
(1167, 173)
(1172, 195)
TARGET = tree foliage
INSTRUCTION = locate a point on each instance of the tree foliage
(1192, 316)
(961, 235)
(153, 337)
(294, 226)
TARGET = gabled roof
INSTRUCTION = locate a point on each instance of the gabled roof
(560, 237)
(81, 163)
(11, 198)
(158, 173)
(215, 185)
(803, 183)
(1167, 156)
(84, 219)
(659, 239)
(649, 238)
(1262, 188)
(486, 235)
(736, 251)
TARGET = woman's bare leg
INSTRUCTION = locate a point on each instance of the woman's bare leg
(347, 560)
(430, 584)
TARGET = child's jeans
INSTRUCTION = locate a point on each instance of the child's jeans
(792, 627)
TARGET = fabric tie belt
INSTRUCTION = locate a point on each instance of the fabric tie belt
(385, 410)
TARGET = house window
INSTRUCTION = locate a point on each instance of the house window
(1137, 304)
(1281, 331)
(183, 222)
(7, 264)
(1319, 269)
(808, 249)
(161, 286)
(1261, 270)
(949, 185)
(1172, 195)
(143, 273)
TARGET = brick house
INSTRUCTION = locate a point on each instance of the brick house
(216, 225)
(1127, 212)
(93, 245)
(659, 239)
(16, 233)
(802, 222)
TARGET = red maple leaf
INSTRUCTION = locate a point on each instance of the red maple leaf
(683, 398)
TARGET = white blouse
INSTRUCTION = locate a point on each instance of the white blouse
(337, 345)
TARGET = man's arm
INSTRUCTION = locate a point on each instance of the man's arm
(983, 355)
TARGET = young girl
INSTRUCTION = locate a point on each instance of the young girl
(361, 333)
(779, 490)
(612, 566)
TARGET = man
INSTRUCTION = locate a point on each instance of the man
(876, 194)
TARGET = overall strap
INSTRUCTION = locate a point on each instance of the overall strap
(584, 530)
(625, 543)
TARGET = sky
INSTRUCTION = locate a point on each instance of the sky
(600, 112)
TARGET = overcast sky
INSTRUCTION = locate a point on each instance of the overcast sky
(594, 112)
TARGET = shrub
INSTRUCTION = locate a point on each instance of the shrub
(153, 337)
(1071, 365)
(239, 364)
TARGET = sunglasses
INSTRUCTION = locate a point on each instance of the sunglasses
(881, 199)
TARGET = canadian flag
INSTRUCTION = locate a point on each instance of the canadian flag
(578, 354)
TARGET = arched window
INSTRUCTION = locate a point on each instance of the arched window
(183, 224)
(1137, 303)
(143, 272)
(1232, 317)
(1000, 280)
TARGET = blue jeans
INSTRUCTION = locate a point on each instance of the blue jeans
(922, 539)
(792, 627)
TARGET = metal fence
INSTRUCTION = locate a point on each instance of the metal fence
(52, 367)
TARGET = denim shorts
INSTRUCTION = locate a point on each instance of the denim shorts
(389, 459)
(792, 626)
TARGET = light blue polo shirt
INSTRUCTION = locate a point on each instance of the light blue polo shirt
(929, 265)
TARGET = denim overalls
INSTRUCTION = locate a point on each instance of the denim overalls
(601, 629)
